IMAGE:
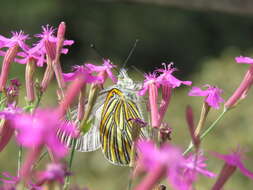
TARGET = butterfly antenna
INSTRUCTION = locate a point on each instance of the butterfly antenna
(92, 46)
(138, 70)
(100, 55)
(130, 53)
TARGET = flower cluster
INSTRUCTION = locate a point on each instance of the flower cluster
(109, 118)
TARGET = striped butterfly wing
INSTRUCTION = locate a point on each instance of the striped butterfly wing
(91, 140)
(115, 127)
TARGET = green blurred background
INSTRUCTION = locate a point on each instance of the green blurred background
(201, 44)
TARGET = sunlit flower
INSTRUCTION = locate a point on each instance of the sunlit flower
(212, 95)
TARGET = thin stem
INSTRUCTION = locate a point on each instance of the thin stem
(20, 150)
(42, 156)
(36, 105)
(209, 129)
(67, 181)
(130, 180)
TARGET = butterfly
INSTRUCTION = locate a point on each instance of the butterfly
(112, 122)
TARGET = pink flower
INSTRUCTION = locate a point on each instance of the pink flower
(13, 88)
(103, 71)
(232, 161)
(48, 41)
(13, 45)
(157, 162)
(196, 163)
(41, 129)
(241, 59)
(212, 94)
(168, 161)
(17, 38)
(32, 54)
(166, 77)
(82, 72)
(7, 130)
(151, 84)
(9, 179)
(235, 159)
(54, 172)
(241, 92)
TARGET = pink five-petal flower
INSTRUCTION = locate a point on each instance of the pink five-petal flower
(104, 70)
(212, 95)
(151, 85)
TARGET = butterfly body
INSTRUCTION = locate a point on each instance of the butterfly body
(112, 127)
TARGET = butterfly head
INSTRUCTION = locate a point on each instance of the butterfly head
(126, 82)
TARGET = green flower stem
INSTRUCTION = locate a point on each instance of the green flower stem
(130, 180)
(67, 180)
(42, 156)
(20, 151)
(209, 129)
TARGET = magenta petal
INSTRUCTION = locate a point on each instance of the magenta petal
(111, 75)
(69, 76)
(244, 170)
(234, 159)
(196, 91)
(241, 59)
(68, 42)
(188, 83)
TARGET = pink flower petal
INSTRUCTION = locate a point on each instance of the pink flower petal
(241, 59)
